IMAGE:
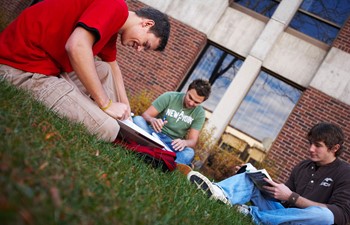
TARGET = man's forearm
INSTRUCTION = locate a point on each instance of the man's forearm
(147, 117)
(78, 48)
(191, 143)
(302, 202)
(119, 83)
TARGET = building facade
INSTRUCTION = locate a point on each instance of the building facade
(271, 75)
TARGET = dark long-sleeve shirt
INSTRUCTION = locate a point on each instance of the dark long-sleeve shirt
(329, 184)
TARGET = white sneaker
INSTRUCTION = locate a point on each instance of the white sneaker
(212, 190)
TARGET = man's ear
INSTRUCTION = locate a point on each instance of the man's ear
(335, 148)
(148, 23)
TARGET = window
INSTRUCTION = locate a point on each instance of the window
(321, 19)
(265, 108)
(217, 66)
(264, 7)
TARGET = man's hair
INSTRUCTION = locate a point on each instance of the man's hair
(328, 133)
(161, 28)
(202, 87)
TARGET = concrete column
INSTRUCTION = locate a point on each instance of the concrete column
(233, 97)
(274, 28)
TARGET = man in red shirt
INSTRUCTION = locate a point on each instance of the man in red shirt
(50, 50)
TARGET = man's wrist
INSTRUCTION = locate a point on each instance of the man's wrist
(293, 198)
(104, 108)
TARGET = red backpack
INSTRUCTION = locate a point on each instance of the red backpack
(157, 157)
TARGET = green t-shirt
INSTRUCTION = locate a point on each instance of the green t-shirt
(180, 119)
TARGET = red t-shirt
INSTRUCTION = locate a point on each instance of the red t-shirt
(35, 41)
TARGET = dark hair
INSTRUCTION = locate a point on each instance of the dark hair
(161, 28)
(328, 133)
(202, 87)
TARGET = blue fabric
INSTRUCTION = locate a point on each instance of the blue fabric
(185, 156)
(239, 189)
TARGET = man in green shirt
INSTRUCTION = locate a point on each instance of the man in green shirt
(177, 119)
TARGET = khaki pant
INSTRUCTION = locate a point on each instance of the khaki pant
(67, 96)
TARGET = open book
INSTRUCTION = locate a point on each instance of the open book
(130, 131)
(257, 176)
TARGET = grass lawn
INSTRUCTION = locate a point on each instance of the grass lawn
(54, 172)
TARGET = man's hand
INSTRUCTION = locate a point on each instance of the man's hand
(118, 111)
(179, 144)
(277, 191)
(237, 168)
(157, 124)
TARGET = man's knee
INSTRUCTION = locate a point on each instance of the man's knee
(189, 151)
(185, 156)
(322, 215)
(108, 131)
(141, 122)
(138, 119)
(103, 69)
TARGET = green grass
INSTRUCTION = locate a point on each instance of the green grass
(54, 172)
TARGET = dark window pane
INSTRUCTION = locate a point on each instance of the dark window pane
(264, 7)
(314, 28)
(321, 19)
(336, 11)
(265, 108)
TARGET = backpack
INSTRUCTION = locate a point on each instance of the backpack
(157, 157)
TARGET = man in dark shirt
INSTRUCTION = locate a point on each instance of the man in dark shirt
(317, 191)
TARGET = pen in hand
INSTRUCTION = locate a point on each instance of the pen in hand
(164, 122)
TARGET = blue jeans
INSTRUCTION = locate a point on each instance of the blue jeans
(185, 156)
(239, 189)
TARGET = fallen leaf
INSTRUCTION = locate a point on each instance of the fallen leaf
(44, 165)
(55, 195)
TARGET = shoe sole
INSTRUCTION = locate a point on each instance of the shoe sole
(201, 184)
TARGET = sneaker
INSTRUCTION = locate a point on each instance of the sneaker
(203, 183)
(183, 168)
(243, 209)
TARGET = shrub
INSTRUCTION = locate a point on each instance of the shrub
(203, 148)
(211, 160)
(141, 101)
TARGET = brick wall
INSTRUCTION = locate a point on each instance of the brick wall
(343, 39)
(10, 9)
(291, 145)
(159, 72)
